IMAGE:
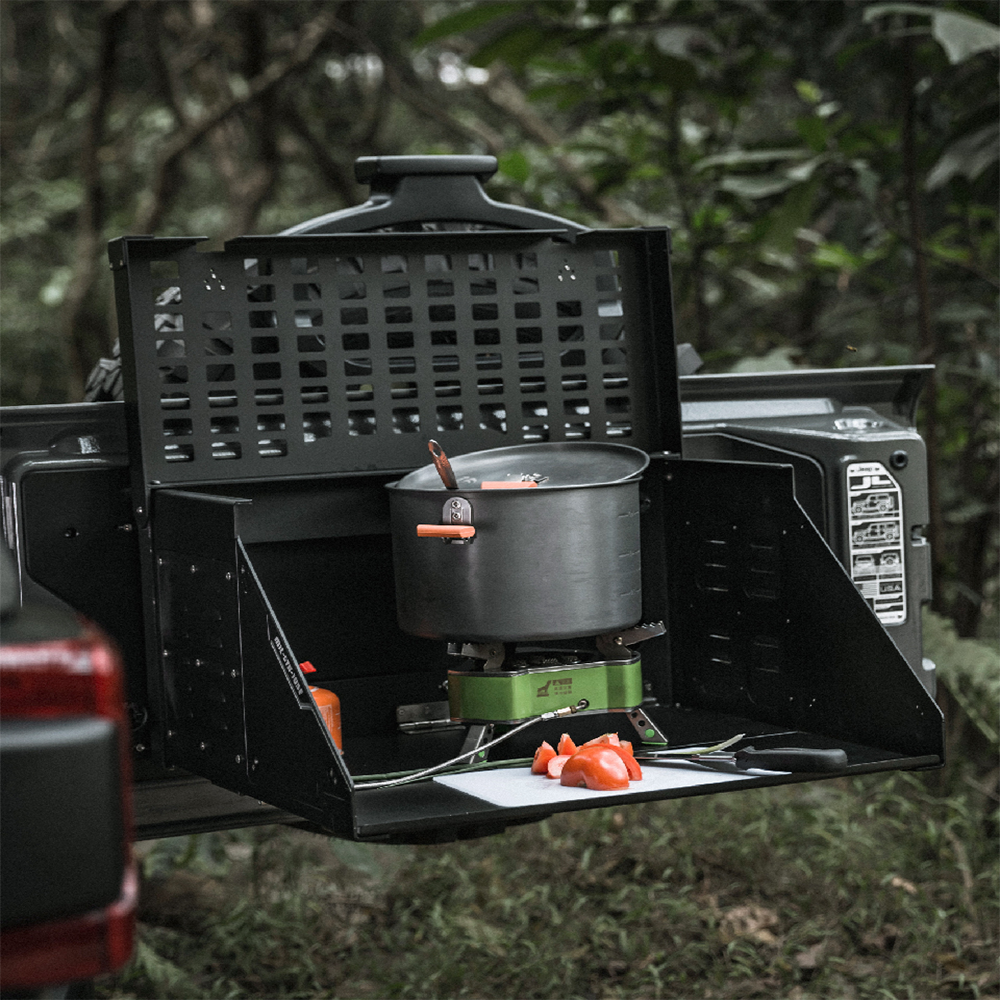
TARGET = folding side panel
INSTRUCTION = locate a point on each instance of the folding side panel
(861, 477)
(292, 760)
(198, 622)
(767, 624)
(238, 710)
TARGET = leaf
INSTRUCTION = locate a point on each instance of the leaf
(514, 47)
(672, 72)
(968, 156)
(54, 292)
(963, 36)
(749, 921)
(762, 186)
(464, 20)
(738, 157)
(784, 221)
(678, 40)
(814, 131)
(970, 669)
(882, 9)
(968, 511)
(562, 95)
(808, 91)
(837, 256)
(960, 35)
(514, 164)
(778, 359)
(803, 171)
(762, 289)
(868, 180)
(963, 311)
(483, 935)
(811, 958)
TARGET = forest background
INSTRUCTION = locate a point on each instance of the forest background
(829, 171)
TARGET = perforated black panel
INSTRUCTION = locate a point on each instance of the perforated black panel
(292, 356)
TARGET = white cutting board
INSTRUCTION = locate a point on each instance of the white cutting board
(516, 786)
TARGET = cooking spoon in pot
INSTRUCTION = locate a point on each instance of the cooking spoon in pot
(442, 465)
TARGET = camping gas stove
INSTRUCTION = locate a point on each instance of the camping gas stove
(507, 683)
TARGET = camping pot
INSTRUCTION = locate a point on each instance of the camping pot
(534, 542)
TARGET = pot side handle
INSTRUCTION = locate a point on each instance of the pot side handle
(445, 530)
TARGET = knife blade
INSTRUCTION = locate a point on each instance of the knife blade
(796, 759)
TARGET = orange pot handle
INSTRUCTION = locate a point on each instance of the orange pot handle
(445, 530)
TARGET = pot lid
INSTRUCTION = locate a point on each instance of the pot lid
(564, 463)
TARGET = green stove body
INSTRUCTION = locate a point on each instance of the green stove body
(515, 695)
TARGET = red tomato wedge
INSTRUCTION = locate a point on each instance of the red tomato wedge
(631, 764)
(607, 739)
(599, 768)
(543, 755)
(556, 764)
(592, 766)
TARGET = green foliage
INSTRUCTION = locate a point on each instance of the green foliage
(961, 35)
(971, 671)
(467, 19)
(828, 170)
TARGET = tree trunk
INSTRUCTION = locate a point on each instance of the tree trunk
(925, 328)
(84, 342)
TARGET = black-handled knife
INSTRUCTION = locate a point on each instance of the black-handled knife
(798, 759)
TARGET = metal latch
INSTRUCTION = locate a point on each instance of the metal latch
(614, 645)
(493, 653)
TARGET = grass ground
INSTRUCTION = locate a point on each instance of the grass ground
(880, 887)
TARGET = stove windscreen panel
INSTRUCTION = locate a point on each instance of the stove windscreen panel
(860, 471)
(766, 623)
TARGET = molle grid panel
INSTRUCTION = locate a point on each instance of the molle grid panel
(297, 356)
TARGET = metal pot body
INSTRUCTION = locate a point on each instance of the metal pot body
(545, 563)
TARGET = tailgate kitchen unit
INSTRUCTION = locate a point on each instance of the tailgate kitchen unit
(263, 515)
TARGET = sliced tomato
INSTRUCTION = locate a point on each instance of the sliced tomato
(556, 764)
(543, 755)
(631, 764)
(606, 739)
(627, 747)
(566, 745)
(598, 767)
